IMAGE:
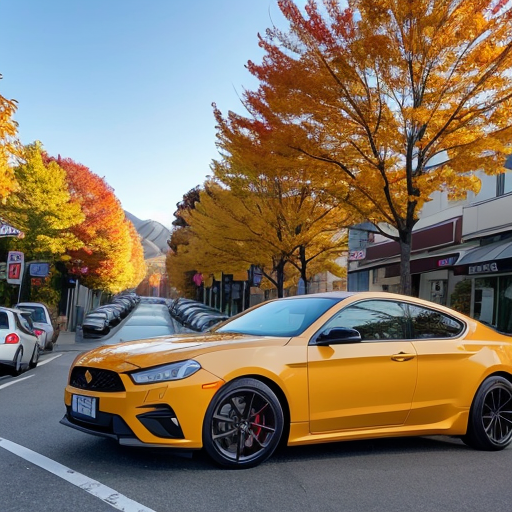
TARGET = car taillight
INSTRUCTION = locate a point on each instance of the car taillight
(38, 332)
(12, 338)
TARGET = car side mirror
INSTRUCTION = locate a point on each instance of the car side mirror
(338, 335)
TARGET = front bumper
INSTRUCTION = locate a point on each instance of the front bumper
(167, 414)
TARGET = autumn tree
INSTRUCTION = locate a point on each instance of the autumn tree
(179, 267)
(389, 101)
(9, 146)
(43, 208)
(272, 227)
(110, 257)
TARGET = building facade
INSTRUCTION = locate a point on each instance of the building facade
(461, 254)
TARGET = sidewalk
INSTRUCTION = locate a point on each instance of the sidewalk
(65, 338)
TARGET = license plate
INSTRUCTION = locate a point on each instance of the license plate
(84, 405)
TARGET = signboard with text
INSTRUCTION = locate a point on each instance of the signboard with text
(15, 266)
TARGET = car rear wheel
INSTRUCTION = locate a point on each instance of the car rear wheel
(490, 418)
(243, 424)
(35, 357)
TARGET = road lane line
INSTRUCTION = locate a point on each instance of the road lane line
(15, 381)
(46, 361)
(89, 485)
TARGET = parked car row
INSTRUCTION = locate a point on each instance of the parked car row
(20, 341)
(98, 322)
(195, 315)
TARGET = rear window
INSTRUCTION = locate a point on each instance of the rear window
(4, 320)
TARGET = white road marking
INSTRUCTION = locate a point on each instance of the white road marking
(89, 485)
(46, 361)
(15, 381)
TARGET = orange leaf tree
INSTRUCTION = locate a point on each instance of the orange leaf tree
(8, 146)
(111, 258)
(390, 101)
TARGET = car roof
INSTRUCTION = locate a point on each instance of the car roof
(13, 310)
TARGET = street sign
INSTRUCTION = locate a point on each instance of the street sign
(15, 267)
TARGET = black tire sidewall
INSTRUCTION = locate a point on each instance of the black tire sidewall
(476, 436)
(35, 357)
(241, 384)
(15, 370)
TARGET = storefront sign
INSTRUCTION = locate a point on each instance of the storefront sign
(357, 255)
(446, 262)
(485, 268)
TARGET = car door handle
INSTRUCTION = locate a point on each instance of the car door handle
(402, 356)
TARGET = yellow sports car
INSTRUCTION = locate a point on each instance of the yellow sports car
(301, 370)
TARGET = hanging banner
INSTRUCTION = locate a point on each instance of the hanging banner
(15, 266)
(8, 230)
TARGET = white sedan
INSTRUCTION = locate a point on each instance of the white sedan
(42, 322)
(19, 345)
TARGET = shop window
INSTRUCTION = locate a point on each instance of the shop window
(503, 183)
(485, 298)
(504, 314)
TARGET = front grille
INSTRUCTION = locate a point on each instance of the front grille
(94, 379)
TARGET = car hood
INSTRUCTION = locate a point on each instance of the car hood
(155, 351)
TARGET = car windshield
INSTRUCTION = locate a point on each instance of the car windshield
(287, 317)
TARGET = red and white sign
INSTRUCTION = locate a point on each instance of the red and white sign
(15, 267)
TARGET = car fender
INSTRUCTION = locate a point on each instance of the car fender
(285, 366)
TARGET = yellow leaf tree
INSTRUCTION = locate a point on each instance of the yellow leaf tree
(390, 100)
(272, 225)
(42, 207)
(8, 146)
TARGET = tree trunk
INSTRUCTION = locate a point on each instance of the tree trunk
(405, 262)
(280, 278)
(303, 268)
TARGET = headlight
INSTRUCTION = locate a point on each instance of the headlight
(173, 371)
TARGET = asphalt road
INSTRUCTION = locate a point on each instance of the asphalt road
(45, 466)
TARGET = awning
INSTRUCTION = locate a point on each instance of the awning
(422, 261)
(7, 230)
(486, 259)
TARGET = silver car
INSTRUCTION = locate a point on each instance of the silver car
(19, 345)
(42, 321)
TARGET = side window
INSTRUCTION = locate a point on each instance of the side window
(374, 319)
(4, 320)
(427, 323)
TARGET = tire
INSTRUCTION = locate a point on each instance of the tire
(243, 424)
(490, 417)
(35, 357)
(18, 368)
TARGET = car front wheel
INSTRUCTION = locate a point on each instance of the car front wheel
(243, 424)
(490, 419)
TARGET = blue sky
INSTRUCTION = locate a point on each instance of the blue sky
(125, 87)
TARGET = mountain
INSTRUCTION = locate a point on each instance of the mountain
(153, 234)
